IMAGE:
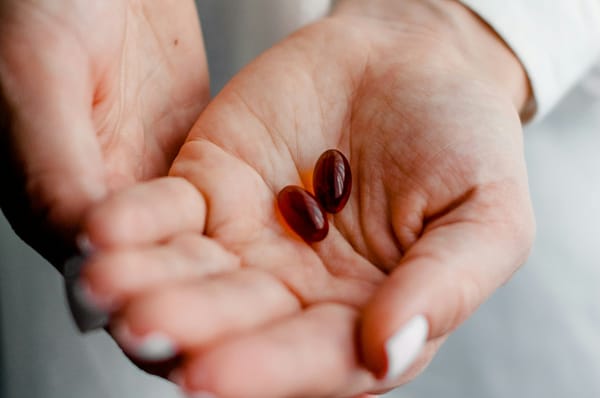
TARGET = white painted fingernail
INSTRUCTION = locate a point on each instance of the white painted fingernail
(85, 246)
(85, 295)
(405, 345)
(87, 315)
(153, 346)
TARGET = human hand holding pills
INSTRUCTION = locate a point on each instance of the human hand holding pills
(95, 96)
(438, 217)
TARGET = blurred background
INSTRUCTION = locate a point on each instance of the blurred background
(538, 336)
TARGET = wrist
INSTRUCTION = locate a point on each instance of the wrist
(490, 55)
(482, 50)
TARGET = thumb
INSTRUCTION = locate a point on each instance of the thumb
(54, 168)
(442, 279)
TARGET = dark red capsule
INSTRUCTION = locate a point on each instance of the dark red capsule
(332, 180)
(303, 213)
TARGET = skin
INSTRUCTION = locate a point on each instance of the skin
(424, 101)
(85, 112)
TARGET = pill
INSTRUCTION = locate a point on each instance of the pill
(332, 180)
(303, 213)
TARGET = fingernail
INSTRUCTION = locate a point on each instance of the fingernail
(153, 346)
(82, 292)
(405, 345)
(90, 299)
(85, 246)
(72, 267)
(86, 313)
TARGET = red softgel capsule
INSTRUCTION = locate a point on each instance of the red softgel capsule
(332, 180)
(303, 213)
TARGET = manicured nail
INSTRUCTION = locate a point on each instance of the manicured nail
(85, 246)
(72, 267)
(405, 345)
(87, 296)
(153, 346)
(87, 313)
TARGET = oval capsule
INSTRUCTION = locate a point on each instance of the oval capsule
(332, 180)
(303, 213)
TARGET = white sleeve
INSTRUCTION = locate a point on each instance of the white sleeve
(557, 41)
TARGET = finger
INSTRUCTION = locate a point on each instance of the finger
(313, 354)
(457, 263)
(194, 314)
(145, 213)
(56, 169)
(113, 277)
(241, 203)
(420, 363)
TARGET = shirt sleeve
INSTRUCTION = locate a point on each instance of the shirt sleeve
(557, 41)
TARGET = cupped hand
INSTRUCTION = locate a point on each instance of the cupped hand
(438, 218)
(94, 97)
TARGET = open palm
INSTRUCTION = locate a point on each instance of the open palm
(439, 217)
(94, 97)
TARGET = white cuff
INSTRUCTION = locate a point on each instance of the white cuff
(557, 41)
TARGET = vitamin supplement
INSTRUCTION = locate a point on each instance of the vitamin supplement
(332, 180)
(303, 213)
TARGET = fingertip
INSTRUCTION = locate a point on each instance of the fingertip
(389, 356)
(87, 313)
(84, 244)
(102, 283)
(214, 375)
(404, 346)
(395, 324)
(154, 346)
(105, 226)
(372, 344)
(178, 377)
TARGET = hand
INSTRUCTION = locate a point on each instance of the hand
(94, 97)
(439, 215)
